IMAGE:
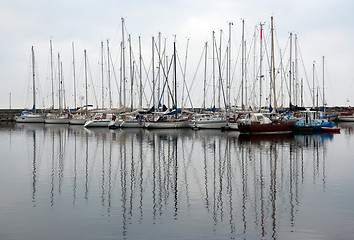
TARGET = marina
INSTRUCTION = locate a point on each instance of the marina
(136, 183)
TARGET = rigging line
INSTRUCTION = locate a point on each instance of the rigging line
(185, 84)
(220, 77)
(195, 74)
(93, 87)
(328, 78)
(114, 74)
(146, 81)
(303, 65)
(166, 77)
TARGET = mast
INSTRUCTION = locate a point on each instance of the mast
(33, 82)
(74, 75)
(242, 64)
(131, 73)
(323, 86)
(175, 74)
(273, 63)
(214, 89)
(140, 76)
(229, 69)
(59, 97)
(205, 70)
(296, 73)
(123, 62)
(102, 78)
(153, 74)
(184, 75)
(51, 71)
(220, 74)
(159, 68)
(313, 84)
(109, 75)
(260, 66)
(86, 81)
(290, 72)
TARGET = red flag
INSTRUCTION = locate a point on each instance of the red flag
(261, 33)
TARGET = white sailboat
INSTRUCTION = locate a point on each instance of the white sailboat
(58, 117)
(30, 115)
(171, 119)
(80, 116)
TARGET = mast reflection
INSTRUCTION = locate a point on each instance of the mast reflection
(245, 185)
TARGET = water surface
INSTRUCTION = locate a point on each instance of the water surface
(67, 182)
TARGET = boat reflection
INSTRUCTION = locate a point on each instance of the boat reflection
(248, 186)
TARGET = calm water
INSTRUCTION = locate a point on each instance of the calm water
(65, 182)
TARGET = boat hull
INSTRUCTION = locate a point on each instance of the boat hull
(97, 123)
(346, 118)
(78, 121)
(330, 130)
(57, 120)
(30, 119)
(208, 124)
(270, 128)
(168, 124)
(131, 124)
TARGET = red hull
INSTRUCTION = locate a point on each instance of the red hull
(330, 130)
(256, 128)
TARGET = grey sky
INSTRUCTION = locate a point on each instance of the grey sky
(324, 28)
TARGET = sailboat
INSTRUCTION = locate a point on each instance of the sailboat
(30, 115)
(257, 123)
(103, 117)
(80, 116)
(170, 119)
(207, 118)
(58, 117)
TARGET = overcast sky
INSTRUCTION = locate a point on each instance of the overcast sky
(323, 28)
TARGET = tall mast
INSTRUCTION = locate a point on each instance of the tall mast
(220, 74)
(175, 74)
(214, 89)
(323, 87)
(296, 72)
(86, 101)
(290, 69)
(313, 84)
(184, 74)
(242, 64)
(123, 62)
(140, 77)
(109, 75)
(131, 73)
(205, 70)
(74, 75)
(59, 99)
(51, 71)
(229, 69)
(153, 74)
(102, 78)
(273, 63)
(159, 67)
(33, 82)
(260, 66)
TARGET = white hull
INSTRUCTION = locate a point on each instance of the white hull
(97, 123)
(30, 119)
(346, 118)
(169, 124)
(208, 124)
(131, 124)
(78, 121)
(233, 126)
(57, 120)
(115, 123)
